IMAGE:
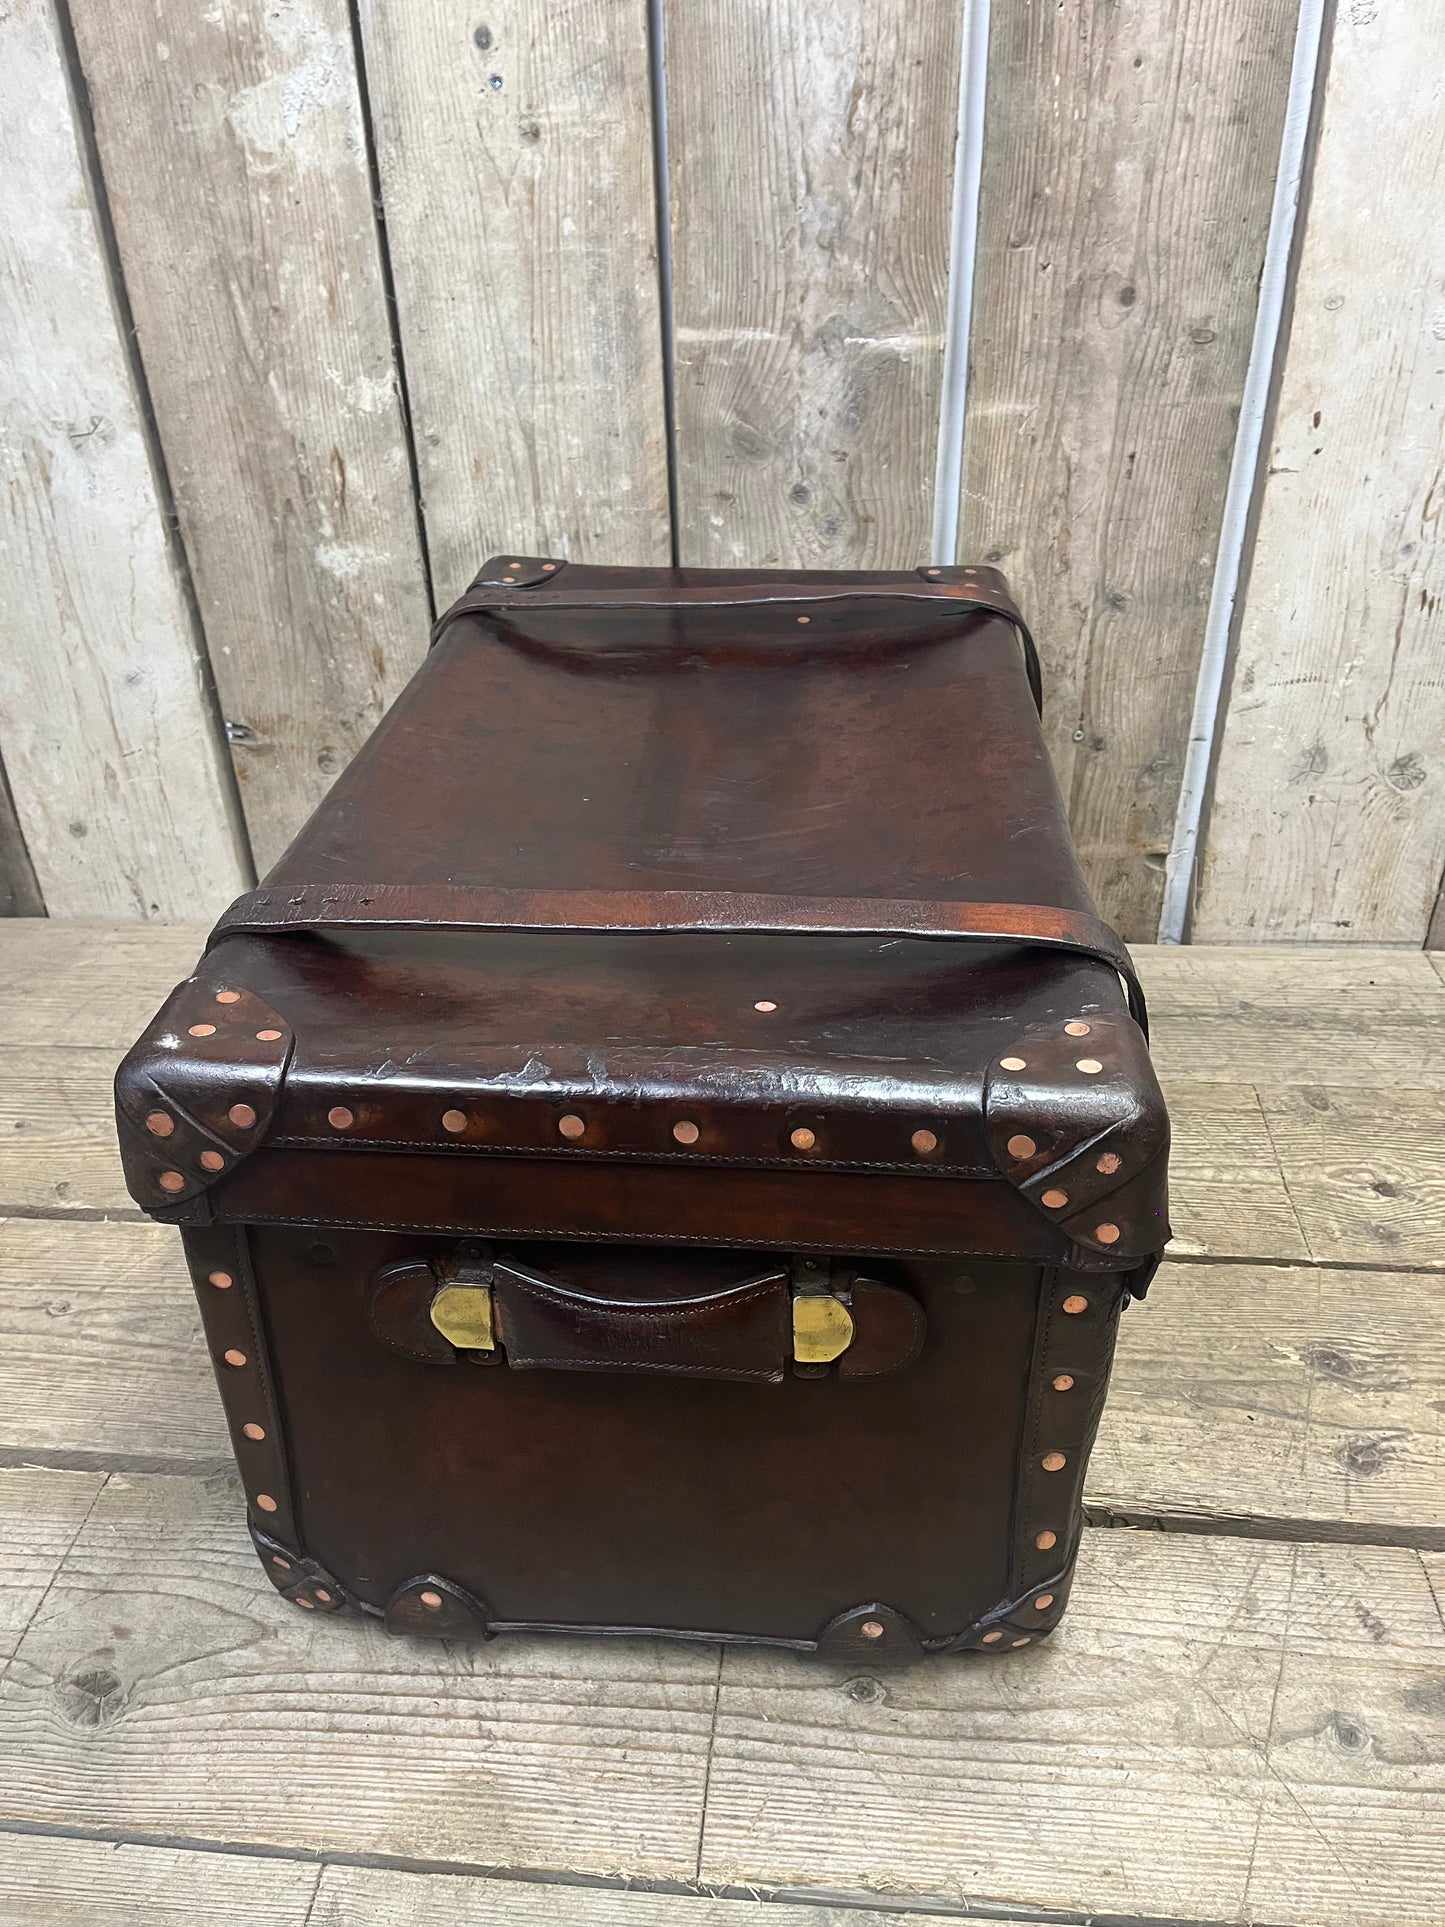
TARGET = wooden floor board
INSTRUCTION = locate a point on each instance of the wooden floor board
(164, 1689)
(1220, 1730)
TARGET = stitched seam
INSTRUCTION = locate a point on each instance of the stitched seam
(553, 1234)
(439, 1149)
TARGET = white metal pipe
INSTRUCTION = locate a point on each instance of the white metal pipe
(962, 253)
(1243, 473)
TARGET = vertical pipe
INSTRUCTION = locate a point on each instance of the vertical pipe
(962, 254)
(662, 198)
(1244, 472)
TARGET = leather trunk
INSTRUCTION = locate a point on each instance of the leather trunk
(667, 1147)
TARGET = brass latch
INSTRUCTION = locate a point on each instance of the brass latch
(463, 1316)
(822, 1327)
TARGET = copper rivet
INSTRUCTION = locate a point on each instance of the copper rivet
(1046, 1541)
(685, 1131)
(1021, 1147)
(940, 572)
(1043, 1602)
(1089, 1065)
(222, 1280)
(454, 1120)
(267, 1036)
(1075, 1304)
(764, 1004)
(804, 620)
(1107, 1234)
(1013, 1063)
(235, 1358)
(307, 1605)
(924, 1141)
(323, 1595)
(254, 1431)
(265, 1501)
(1108, 1163)
(1019, 1642)
(203, 1030)
(171, 1181)
(571, 1125)
(1054, 1461)
(1064, 1382)
(802, 1139)
(1055, 1200)
(212, 1161)
(1076, 1029)
(242, 1116)
(548, 567)
(431, 1600)
(283, 1564)
(871, 1629)
(159, 1125)
(992, 1639)
(228, 996)
(340, 1118)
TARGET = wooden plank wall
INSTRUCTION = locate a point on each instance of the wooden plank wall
(399, 279)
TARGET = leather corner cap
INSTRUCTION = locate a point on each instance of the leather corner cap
(198, 1091)
(1075, 1120)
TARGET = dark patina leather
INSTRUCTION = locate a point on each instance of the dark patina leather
(681, 941)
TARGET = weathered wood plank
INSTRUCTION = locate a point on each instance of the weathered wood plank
(234, 153)
(1253, 1393)
(223, 1713)
(1329, 806)
(19, 892)
(89, 984)
(516, 159)
(40, 1514)
(1220, 1729)
(57, 1882)
(47, 1882)
(811, 161)
(58, 1151)
(1128, 166)
(103, 1362)
(110, 744)
(1229, 1196)
(1300, 1399)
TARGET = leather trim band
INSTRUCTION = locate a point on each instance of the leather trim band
(280, 908)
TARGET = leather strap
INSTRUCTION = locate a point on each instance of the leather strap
(963, 591)
(280, 908)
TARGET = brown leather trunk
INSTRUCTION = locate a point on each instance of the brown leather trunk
(667, 1147)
